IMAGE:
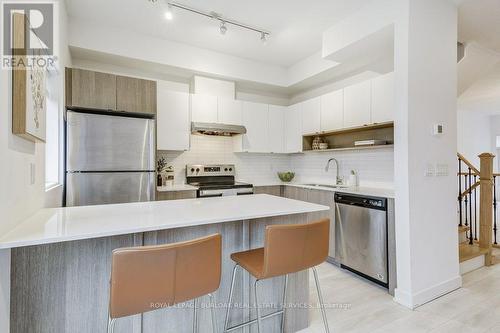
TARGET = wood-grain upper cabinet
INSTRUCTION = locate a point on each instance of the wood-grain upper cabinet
(311, 115)
(332, 111)
(357, 104)
(135, 95)
(383, 98)
(89, 89)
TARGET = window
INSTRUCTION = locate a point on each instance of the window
(52, 144)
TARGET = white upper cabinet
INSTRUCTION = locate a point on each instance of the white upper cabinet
(383, 98)
(204, 108)
(255, 119)
(357, 104)
(172, 119)
(332, 111)
(230, 111)
(293, 129)
(276, 129)
(311, 115)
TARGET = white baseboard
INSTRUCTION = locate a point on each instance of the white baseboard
(471, 264)
(412, 301)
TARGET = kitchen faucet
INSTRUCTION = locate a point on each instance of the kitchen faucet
(339, 179)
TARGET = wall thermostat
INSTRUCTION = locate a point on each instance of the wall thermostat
(437, 129)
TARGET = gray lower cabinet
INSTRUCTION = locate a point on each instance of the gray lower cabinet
(175, 195)
(320, 197)
(272, 190)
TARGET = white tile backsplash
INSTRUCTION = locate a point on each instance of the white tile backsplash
(374, 167)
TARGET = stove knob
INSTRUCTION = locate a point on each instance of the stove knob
(192, 170)
(197, 169)
(225, 169)
(230, 169)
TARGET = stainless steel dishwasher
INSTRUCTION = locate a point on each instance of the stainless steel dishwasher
(361, 236)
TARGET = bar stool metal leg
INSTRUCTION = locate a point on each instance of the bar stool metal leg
(212, 312)
(111, 324)
(284, 305)
(195, 315)
(229, 302)
(321, 303)
(257, 307)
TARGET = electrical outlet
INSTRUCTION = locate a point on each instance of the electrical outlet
(32, 173)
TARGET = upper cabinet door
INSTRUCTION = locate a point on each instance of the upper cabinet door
(357, 104)
(383, 98)
(276, 128)
(256, 121)
(293, 129)
(204, 108)
(135, 95)
(172, 119)
(332, 111)
(311, 115)
(230, 111)
(89, 89)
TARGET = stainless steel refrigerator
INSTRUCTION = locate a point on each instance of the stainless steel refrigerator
(109, 158)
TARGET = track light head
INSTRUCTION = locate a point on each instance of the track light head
(263, 37)
(223, 28)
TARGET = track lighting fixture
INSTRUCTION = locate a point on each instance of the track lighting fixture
(223, 28)
(264, 35)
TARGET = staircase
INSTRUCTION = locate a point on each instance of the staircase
(477, 213)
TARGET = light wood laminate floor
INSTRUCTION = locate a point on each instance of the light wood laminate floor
(474, 308)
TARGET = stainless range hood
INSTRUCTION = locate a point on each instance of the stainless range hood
(217, 129)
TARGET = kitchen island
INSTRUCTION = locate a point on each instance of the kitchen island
(55, 266)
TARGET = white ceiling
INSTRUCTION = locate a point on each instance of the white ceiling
(479, 21)
(296, 26)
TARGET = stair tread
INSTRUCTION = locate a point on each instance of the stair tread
(467, 251)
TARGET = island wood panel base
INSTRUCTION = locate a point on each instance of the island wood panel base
(64, 287)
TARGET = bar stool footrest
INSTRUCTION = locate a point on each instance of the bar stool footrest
(253, 321)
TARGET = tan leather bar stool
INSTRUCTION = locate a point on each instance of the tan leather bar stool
(287, 249)
(164, 274)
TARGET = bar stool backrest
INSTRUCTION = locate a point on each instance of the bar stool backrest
(295, 247)
(148, 277)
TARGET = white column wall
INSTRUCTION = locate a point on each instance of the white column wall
(426, 89)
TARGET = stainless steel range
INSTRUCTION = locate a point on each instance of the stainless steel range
(215, 180)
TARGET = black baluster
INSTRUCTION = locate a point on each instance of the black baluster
(495, 209)
(466, 201)
(460, 191)
(471, 237)
(475, 209)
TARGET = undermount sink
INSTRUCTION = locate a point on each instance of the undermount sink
(326, 185)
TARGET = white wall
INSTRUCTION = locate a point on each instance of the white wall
(18, 198)
(255, 168)
(375, 168)
(476, 134)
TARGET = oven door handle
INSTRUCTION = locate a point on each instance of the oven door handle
(211, 195)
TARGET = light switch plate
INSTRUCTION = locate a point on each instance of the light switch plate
(441, 170)
(430, 170)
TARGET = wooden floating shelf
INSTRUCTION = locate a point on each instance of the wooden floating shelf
(343, 139)
(349, 148)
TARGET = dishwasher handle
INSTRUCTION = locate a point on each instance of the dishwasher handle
(361, 201)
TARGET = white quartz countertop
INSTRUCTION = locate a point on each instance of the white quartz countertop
(176, 188)
(52, 225)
